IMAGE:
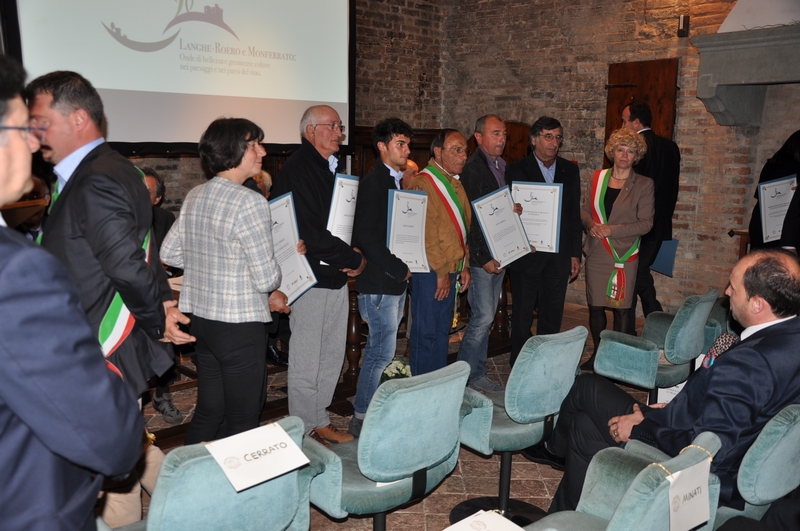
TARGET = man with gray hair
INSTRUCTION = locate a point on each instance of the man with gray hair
(319, 317)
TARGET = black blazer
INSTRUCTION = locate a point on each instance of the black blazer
(66, 420)
(662, 163)
(770, 172)
(96, 228)
(568, 174)
(478, 180)
(385, 273)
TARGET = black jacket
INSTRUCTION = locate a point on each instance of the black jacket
(662, 163)
(478, 181)
(385, 273)
(306, 174)
(568, 174)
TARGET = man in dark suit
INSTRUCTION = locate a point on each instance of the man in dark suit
(382, 286)
(66, 420)
(100, 228)
(542, 278)
(734, 396)
(662, 163)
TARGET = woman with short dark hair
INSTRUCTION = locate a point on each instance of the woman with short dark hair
(618, 210)
(223, 242)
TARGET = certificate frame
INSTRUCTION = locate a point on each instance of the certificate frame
(773, 200)
(343, 207)
(541, 213)
(501, 227)
(405, 228)
(297, 277)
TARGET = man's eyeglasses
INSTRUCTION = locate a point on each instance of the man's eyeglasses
(550, 137)
(25, 131)
(334, 126)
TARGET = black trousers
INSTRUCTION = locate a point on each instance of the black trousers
(231, 378)
(645, 288)
(538, 279)
(582, 431)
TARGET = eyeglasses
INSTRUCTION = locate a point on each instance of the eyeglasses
(25, 131)
(550, 137)
(334, 126)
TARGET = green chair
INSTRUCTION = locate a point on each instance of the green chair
(409, 442)
(192, 492)
(664, 355)
(626, 490)
(770, 468)
(539, 381)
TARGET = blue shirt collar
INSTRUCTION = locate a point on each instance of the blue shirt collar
(66, 167)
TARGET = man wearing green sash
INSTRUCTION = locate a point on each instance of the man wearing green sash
(446, 227)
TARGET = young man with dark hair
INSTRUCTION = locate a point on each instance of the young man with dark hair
(382, 286)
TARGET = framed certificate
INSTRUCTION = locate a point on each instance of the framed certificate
(773, 199)
(405, 228)
(343, 207)
(541, 213)
(296, 274)
(501, 227)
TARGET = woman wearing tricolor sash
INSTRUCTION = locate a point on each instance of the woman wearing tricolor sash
(616, 212)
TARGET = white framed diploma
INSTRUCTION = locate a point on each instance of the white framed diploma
(501, 227)
(773, 199)
(405, 228)
(343, 207)
(296, 274)
(541, 213)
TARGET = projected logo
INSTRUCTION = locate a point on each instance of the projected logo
(209, 15)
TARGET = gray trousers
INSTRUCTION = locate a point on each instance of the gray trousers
(316, 353)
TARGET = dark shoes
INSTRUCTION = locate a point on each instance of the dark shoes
(166, 407)
(355, 426)
(539, 454)
(588, 365)
(276, 357)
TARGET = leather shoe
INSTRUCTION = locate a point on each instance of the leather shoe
(331, 435)
(276, 357)
(539, 454)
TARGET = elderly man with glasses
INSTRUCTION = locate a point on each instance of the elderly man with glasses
(319, 317)
(543, 277)
(447, 224)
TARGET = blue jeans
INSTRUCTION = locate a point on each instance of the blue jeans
(483, 295)
(433, 319)
(382, 313)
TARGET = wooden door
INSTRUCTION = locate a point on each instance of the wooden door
(516, 144)
(654, 82)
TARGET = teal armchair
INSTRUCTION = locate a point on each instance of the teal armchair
(409, 442)
(664, 354)
(539, 381)
(624, 489)
(770, 468)
(192, 493)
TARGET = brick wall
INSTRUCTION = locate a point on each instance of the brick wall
(444, 63)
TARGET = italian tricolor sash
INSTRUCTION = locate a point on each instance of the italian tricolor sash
(615, 292)
(451, 203)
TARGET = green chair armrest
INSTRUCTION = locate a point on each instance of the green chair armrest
(326, 485)
(629, 359)
(476, 426)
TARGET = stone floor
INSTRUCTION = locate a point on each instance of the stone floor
(475, 475)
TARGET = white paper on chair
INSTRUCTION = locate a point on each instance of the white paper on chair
(485, 521)
(688, 497)
(257, 455)
(666, 394)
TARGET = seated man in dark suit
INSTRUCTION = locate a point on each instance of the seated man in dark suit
(734, 397)
(65, 419)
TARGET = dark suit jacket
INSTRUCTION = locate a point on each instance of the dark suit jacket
(747, 385)
(162, 222)
(568, 174)
(65, 419)
(478, 180)
(96, 228)
(385, 273)
(662, 163)
(775, 170)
